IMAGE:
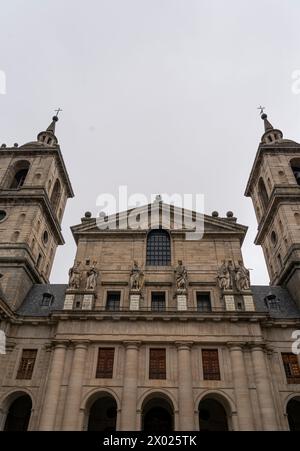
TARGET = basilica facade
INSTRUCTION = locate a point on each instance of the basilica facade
(152, 331)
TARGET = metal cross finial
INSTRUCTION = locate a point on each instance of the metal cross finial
(58, 111)
(261, 108)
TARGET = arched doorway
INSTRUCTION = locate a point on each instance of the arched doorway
(293, 413)
(157, 415)
(103, 414)
(18, 414)
(212, 415)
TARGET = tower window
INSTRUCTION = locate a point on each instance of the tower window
(263, 194)
(39, 261)
(279, 260)
(2, 215)
(274, 238)
(45, 237)
(203, 302)
(19, 179)
(157, 364)
(56, 194)
(158, 248)
(158, 301)
(296, 172)
(105, 364)
(291, 368)
(113, 301)
(211, 368)
(26, 366)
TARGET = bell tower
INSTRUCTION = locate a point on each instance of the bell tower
(274, 187)
(34, 188)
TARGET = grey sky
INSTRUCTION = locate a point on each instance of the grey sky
(159, 95)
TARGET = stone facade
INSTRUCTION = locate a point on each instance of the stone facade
(246, 328)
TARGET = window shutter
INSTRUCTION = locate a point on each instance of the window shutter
(105, 363)
(291, 367)
(26, 366)
(211, 368)
(157, 366)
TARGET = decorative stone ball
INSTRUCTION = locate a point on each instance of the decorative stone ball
(264, 116)
(215, 214)
(3, 146)
(16, 145)
(88, 214)
(229, 214)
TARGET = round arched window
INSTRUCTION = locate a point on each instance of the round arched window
(45, 237)
(2, 215)
(274, 238)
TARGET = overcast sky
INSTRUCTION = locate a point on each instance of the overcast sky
(158, 95)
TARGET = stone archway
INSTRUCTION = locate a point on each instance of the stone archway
(157, 414)
(212, 415)
(18, 413)
(293, 413)
(103, 414)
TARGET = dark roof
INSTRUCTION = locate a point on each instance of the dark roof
(287, 307)
(31, 305)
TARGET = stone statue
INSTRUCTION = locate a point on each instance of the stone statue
(136, 277)
(92, 276)
(75, 276)
(242, 277)
(224, 277)
(181, 277)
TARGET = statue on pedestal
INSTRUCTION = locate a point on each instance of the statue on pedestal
(136, 277)
(224, 277)
(75, 276)
(92, 276)
(242, 277)
(181, 277)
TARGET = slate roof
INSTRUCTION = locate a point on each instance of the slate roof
(31, 306)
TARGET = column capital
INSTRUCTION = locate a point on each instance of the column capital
(258, 347)
(62, 344)
(236, 345)
(80, 344)
(184, 345)
(132, 344)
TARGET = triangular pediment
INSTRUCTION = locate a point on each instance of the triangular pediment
(158, 215)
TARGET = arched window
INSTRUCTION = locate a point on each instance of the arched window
(295, 165)
(55, 196)
(20, 172)
(263, 194)
(158, 248)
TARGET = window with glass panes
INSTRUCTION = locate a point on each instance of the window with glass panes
(105, 364)
(157, 364)
(158, 301)
(158, 248)
(210, 362)
(203, 302)
(291, 368)
(113, 300)
(27, 363)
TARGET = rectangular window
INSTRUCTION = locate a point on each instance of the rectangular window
(26, 366)
(158, 301)
(113, 300)
(203, 302)
(105, 364)
(211, 368)
(291, 367)
(157, 364)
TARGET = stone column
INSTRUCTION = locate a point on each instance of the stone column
(185, 387)
(73, 398)
(264, 392)
(53, 385)
(241, 388)
(129, 395)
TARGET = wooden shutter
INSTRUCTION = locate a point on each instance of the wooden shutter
(26, 366)
(105, 363)
(291, 367)
(157, 364)
(211, 368)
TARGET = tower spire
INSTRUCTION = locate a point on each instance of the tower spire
(271, 135)
(48, 137)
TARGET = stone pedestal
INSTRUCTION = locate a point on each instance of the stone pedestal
(181, 301)
(69, 301)
(134, 300)
(88, 301)
(229, 302)
(248, 302)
